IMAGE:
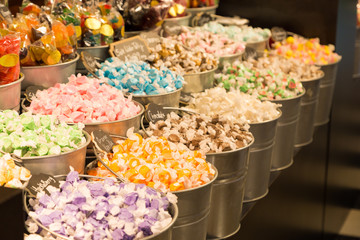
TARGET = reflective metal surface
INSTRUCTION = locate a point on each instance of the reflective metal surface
(228, 192)
(229, 59)
(198, 82)
(10, 95)
(182, 21)
(101, 52)
(166, 99)
(195, 11)
(48, 75)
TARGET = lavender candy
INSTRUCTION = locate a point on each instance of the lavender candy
(139, 78)
(100, 210)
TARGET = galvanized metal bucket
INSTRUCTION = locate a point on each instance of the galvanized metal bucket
(10, 95)
(308, 104)
(259, 46)
(48, 75)
(198, 82)
(229, 59)
(165, 234)
(59, 164)
(326, 92)
(228, 192)
(282, 156)
(170, 99)
(257, 180)
(101, 52)
(195, 11)
(194, 208)
(182, 21)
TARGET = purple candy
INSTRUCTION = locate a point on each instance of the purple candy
(151, 191)
(131, 198)
(155, 204)
(145, 227)
(72, 177)
(79, 199)
(55, 215)
(45, 220)
(99, 234)
(96, 189)
(45, 200)
(117, 234)
(125, 215)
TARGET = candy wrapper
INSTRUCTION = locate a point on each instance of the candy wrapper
(9, 58)
(177, 9)
(143, 15)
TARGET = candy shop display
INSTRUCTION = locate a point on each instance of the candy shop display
(158, 163)
(143, 15)
(82, 209)
(233, 105)
(201, 3)
(11, 175)
(177, 9)
(29, 135)
(139, 78)
(259, 82)
(238, 34)
(309, 51)
(291, 67)
(171, 54)
(203, 133)
(208, 42)
(33, 237)
(84, 100)
(9, 58)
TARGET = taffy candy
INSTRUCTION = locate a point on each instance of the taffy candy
(289, 66)
(84, 100)
(233, 105)
(238, 34)
(309, 51)
(139, 78)
(207, 134)
(9, 58)
(28, 135)
(82, 209)
(208, 42)
(143, 15)
(158, 163)
(262, 83)
(11, 175)
(33, 236)
(171, 54)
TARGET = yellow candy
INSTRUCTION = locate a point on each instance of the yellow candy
(9, 60)
(93, 23)
(107, 30)
(290, 40)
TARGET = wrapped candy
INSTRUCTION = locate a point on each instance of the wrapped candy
(106, 209)
(158, 163)
(29, 7)
(177, 9)
(29, 135)
(201, 3)
(12, 175)
(9, 58)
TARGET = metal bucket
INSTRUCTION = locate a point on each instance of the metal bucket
(130, 34)
(195, 11)
(259, 46)
(227, 192)
(194, 209)
(229, 59)
(59, 164)
(101, 52)
(282, 156)
(357, 55)
(48, 75)
(305, 126)
(10, 95)
(166, 99)
(257, 180)
(326, 92)
(166, 233)
(182, 21)
(198, 82)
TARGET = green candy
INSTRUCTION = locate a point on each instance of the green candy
(45, 121)
(27, 122)
(244, 88)
(55, 150)
(7, 144)
(42, 150)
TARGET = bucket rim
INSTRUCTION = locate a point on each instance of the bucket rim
(169, 226)
(192, 10)
(93, 47)
(267, 121)
(201, 73)
(322, 74)
(157, 95)
(88, 139)
(55, 65)
(286, 99)
(99, 123)
(224, 57)
(187, 16)
(329, 64)
(21, 78)
(257, 42)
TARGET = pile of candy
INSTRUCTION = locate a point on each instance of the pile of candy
(29, 135)
(218, 45)
(9, 58)
(12, 175)
(158, 163)
(84, 100)
(238, 34)
(100, 210)
(98, 23)
(139, 78)
(171, 54)
(262, 83)
(201, 3)
(291, 67)
(202, 133)
(309, 51)
(233, 105)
